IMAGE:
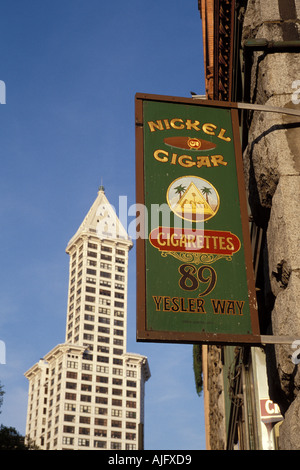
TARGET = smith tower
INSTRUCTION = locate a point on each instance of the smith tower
(88, 393)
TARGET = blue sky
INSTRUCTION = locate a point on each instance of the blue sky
(71, 69)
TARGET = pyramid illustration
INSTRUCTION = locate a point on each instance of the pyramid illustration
(192, 204)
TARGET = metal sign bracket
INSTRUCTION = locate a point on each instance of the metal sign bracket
(258, 107)
(270, 339)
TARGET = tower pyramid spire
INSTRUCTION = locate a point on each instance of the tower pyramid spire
(101, 221)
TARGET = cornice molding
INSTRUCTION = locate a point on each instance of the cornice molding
(218, 32)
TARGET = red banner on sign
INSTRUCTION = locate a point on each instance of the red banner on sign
(197, 241)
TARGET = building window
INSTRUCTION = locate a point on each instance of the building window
(119, 286)
(104, 369)
(104, 359)
(131, 383)
(119, 304)
(68, 440)
(100, 432)
(101, 411)
(89, 308)
(116, 402)
(100, 444)
(70, 418)
(85, 431)
(116, 424)
(85, 419)
(92, 245)
(70, 396)
(105, 274)
(105, 266)
(103, 380)
(108, 249)
(87, 357)
(71, 375)
(85, 409)
(131, 373)
(83, 442)
(69, 407)
(118, 332)
(104, 310)
(100, 422)
(103, 339)
(130, 447)
(69, 429)
(90, 289)
(119, 295)
(118, 362)
(91, 262)
(106, 257)
(117, 381)
(118, 341)
(102, 329)
(130, 404)
(89, 317)
(91, 271)
(86, 398)
(86, 377)
(102, 400)
(88, 337)
(105, 292)
(130, 425)
(115, 445)
(119, 313)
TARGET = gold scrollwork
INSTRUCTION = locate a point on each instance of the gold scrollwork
(196, 258)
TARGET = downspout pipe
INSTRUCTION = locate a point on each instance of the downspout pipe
(271, 46)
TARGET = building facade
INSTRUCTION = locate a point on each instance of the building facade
(88, 393)
(251, 55)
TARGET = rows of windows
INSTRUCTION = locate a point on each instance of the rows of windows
(99, 379)
(105, 282)
(88, 409)
(98, 399)
(100, 444)
(104, 249)
(130, 425)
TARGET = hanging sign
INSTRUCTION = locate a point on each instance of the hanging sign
(194, 267)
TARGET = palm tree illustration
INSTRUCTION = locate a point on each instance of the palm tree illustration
(179, 190)
(206, 191)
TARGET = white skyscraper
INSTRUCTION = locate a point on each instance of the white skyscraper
(88, 393)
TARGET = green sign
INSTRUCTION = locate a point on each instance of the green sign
(194, 267)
